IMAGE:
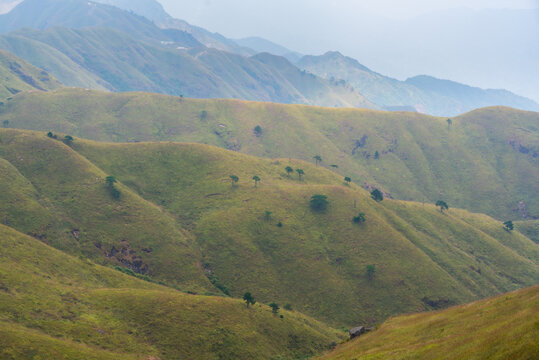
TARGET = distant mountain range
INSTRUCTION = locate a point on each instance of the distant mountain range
(123, 45)
(422, 93)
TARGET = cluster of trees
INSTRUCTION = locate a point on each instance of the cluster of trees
(68, 139)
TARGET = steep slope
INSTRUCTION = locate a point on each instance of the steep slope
(485, 161)
(43, 14)
(53, 61)
(424, 93)
(17, 75)
(62, 199)
(56, 306)
(504, 327)
(122, 63)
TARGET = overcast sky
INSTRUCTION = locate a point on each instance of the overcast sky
(399, 38)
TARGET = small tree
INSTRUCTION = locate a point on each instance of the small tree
(377, 155)
(257, 131)
(317, 159)
(249, 299)
(377, 195)
(110, 181)
(51, 135)
(449, 123)
(348, 180)
(300, 173)
(289, 170)
(360, 218)
(203, 115)
(5, 123)
(319, 202)
(68, 140)
(234, 179)
(274, 307)
(267, 215)
(256, 179)
(442, 205)
(334, 166)
(371, 270)
(508, 225)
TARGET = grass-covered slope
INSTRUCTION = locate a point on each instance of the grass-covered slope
(504, 327)
(17, 75)
(56, 306)
(485, 161)
(180, 220)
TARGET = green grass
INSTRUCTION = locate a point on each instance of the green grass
(180, 216)
(17, 75)
(504, 327)
(484, 162)
(53, 305)
(529, 228)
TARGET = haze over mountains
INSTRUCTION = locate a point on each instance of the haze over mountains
(169, 193)
(167, 59)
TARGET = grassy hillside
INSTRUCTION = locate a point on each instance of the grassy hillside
(504, 327)
(56, 306)
(17, 75)
(180, 220)
(486, 161)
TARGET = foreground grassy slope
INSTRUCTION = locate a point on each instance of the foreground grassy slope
(486, 161)
(61, 198)
(17, 75)
(317, 261)
(504, 327)
(53, 305)
(180, 220)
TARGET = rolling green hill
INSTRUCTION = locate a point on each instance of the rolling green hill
(485, 161)
(424, 93)
(179, 220)
(17, 75)
(504, 327)
(56, 306)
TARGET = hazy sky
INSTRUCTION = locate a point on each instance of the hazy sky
(399, 38)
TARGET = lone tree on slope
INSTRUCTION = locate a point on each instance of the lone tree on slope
(274, 307)
(249, 299)
(442, 205)
(300, 173)
(348, 180)
(256, 178)
(289, 170)
(317, 159)
(377, 195)
(508, 225)
(234, 179)
(319, 202)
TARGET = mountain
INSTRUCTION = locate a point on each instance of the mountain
(150, 9)
(425, 94)
(261, 45)
(468, 97)
(17, 75)
(55, 306)
(120, 63)
(504, 327)
(180, 221)
(496, 147)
